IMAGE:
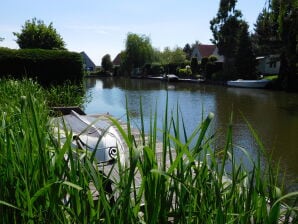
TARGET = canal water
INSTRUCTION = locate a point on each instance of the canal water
(272, 114)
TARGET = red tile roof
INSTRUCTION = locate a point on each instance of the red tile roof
(206, 50)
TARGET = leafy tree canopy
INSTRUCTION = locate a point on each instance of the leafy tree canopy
(175, 56)
(225, 7)
(106, 63)
(285, 13)
(36, 34)
(138, 51)
(276, 33)
(265, 37)
(188, 50)
(244, 56)
(230, 34)
(225, 29)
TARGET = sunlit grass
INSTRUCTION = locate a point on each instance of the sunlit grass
(186, 183)
(271, 77)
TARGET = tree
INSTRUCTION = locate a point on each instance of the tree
(245, 58)
(106, 63)
(138, 51)
(187, 50)
(175, 56)
(194, 64)
(35, 34)
(286, 14)
(178, 56)
(230, 35)
(265, 37)
(276, 33)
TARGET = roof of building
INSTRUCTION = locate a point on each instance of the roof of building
(206, 50)
(117, 59)
(87, 60)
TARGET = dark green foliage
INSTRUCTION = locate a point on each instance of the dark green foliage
(230, 34)
(138, 51)
(194, 65)
(209, 66)
(225, 7)
(204, 63)
(157, 68)
(265, 37)
(153, 69)
(106, 63)
(35, 34)
(48, 66)
(225, 27)
(187, 50)
(227, 36)
(287, 20)
(276, 33)
(172, 68)
(245, 58)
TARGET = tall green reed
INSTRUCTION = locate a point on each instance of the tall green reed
(65, 94)
(189, 183)
(38, 185)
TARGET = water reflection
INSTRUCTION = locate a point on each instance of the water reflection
(273, 115)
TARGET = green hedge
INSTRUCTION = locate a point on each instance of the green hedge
(47, 66)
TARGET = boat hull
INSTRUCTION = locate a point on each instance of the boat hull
(262, 83)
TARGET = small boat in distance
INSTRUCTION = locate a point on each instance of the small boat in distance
(260, 83)
(171, 78)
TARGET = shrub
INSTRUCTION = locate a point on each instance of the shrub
(185, 71)
(194, 65)
(212, 58)
(156, 68)
(47, 66)
(172, 68)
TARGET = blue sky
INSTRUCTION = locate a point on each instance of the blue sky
(100, 27)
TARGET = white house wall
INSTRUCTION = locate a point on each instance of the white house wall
(196, 54)
(220, 58)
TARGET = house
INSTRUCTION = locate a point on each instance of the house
(269, 64)
(203, 50)
(87, 62)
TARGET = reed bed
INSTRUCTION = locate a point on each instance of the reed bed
(44, 182)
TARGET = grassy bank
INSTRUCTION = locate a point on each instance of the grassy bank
(39, 184)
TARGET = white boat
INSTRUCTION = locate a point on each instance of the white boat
(260, 83)
(171, 78)
(91, 134)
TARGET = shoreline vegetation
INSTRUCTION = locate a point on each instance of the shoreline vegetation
(43, 182)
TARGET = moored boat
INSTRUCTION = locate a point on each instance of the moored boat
(93, 134)
(171, 78)
(260, 83)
